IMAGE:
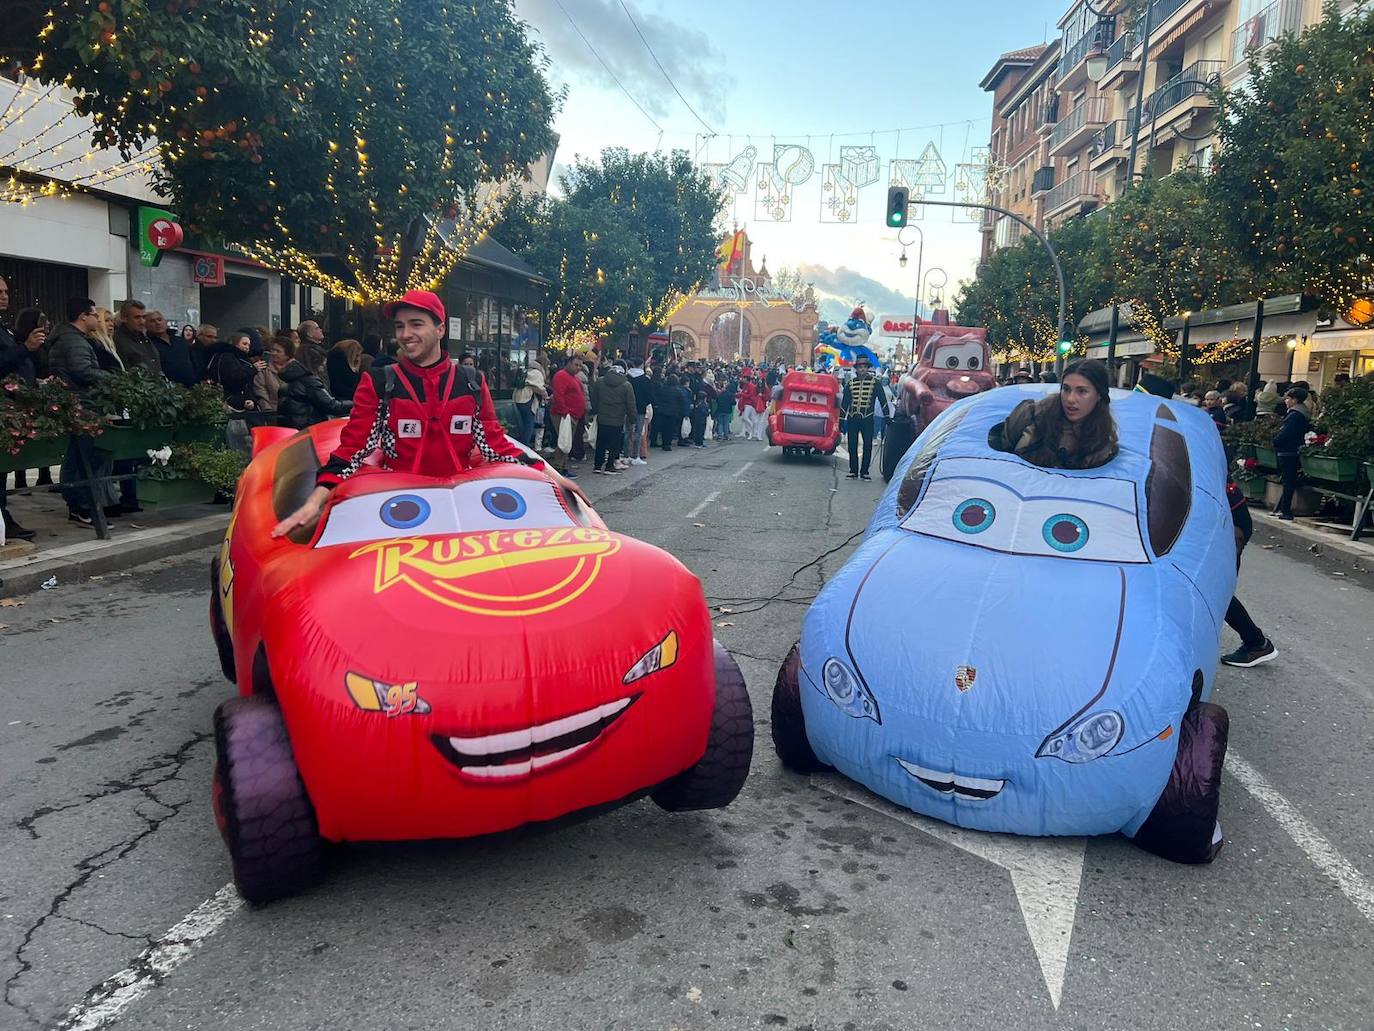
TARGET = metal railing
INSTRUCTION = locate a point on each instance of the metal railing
(1278, 19)
(1091, 111)
(1120, 50)
(1198, 78)
(1096, 38)
(1043, 180)
(1161, 9)
(1108, 137)
(1080, 184)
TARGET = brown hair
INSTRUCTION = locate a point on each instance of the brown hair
(1096, 433)
(284, 341)
(353, 352)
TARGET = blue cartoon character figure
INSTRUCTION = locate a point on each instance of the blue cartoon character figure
(1030, 650)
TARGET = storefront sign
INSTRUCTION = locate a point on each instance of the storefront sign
(894, 326)
(208, 270)
(455, 328)
(158, 231)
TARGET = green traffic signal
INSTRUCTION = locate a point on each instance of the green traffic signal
(897, 198)
(1066, 347)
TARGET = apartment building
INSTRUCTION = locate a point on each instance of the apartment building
(1022, 87)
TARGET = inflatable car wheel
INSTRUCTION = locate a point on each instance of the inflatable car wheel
(1183, 825)
(719, 774)
(898, 435)
(260, 803)
(219, 630)
(789, 724)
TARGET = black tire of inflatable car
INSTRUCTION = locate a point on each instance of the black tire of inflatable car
(1181, 825)
(898, 436)
(219, 630)
(261, 805)
(789, 722)
(717, 777)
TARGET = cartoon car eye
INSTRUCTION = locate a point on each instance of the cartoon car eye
(974, 361)
(816, 399)
(504, 502)
(404, 512)
(509, 505)
(974, 515)
(1066, 533)
(1087, 739)
(843, 688)
(797, 396)
(952, 362)
(375, 517)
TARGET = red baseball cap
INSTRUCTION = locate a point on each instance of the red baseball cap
(422, 299)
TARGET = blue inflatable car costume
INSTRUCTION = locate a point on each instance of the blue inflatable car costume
(1030, 650)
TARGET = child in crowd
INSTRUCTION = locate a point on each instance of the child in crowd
(701, 412)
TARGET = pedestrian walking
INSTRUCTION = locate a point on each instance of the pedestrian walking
(568, 405)
(1255, 647)
(643, 387)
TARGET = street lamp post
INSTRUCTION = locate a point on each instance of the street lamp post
(1044, 241)
(944, 280)
(1100, 67)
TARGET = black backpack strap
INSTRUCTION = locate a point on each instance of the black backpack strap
(470, 381)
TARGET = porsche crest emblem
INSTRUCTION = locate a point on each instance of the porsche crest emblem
(964, 676)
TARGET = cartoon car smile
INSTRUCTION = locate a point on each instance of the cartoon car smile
(449, 658)
(1030, 650)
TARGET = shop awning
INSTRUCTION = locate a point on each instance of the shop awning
(1342, 340)
(1283, 316)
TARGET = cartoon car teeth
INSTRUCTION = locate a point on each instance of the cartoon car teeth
(1030, 650)
(404, 672)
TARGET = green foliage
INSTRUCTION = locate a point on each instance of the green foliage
(146, 400)
(323, 126)
(1347, 415)
(45, 411)
(212, 464)
(1295, 173)
(1257, 431)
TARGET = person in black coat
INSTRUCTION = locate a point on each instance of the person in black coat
(670, 408)
(1288, 442)
(17, 359)
(304, 400)
(229, 365)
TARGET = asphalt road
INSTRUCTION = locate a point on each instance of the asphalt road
(805, 904)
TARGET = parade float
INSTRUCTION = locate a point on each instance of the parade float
(429, 660)
(837, 347)
(1031, 650)
(804, 417)
(952, 363)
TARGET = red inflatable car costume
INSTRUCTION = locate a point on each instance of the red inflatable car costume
(432, 660)
(953, 362)
(805, 414)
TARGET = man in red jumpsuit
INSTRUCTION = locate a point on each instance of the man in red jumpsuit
(426, 414)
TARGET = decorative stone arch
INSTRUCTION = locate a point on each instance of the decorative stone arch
(782, 346)
(718, 347)
(688, 340)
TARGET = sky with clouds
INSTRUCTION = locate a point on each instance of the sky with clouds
(809, 73)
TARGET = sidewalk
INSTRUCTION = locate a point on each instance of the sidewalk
(70, 551)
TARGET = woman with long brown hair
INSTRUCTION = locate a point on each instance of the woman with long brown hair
(346, 364)
(1071, 429)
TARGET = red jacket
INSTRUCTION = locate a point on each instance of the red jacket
(568, 398)
(751, 397)
(438, 420)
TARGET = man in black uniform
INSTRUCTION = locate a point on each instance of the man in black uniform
(862, 395)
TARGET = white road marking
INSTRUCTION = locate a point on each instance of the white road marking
(107, 1001)
(744, 468)
(708, 500)
(1045, 873)
(1324, 855)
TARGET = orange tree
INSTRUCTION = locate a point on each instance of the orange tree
(300, 129)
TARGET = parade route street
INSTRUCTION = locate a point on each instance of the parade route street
(807, 904)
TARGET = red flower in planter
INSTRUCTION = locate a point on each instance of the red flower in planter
(1252, 463)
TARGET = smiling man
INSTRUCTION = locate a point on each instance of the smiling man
(426, 414)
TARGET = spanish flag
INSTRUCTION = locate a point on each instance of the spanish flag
(731, 253)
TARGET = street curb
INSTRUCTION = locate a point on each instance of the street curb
(1300, 535)
(75, 562)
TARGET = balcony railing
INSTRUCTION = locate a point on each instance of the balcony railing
(1161, 9)
(1043, 180)
(1279, 18)
(1092, 111)
(1107, 138)
(1121, 49)
(1198, 78)
(1049, 114)
(1080, 186)
(1096, 38)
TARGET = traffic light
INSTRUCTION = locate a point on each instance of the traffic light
(1065, 348)
(897, 198)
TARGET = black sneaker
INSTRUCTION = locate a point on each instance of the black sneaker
(84, 518)
(1246, 657)
(865, 476)
(851, 476)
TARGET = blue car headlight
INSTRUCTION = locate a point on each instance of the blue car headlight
(843, 687)
(1087, 739)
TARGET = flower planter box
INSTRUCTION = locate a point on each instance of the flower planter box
(1331, 469)
(37, 454)
(174, 493)
(1254, 488)
(1266, 457)
(1245, 450)
(1305, 501)
(125, 442)
(208, 433)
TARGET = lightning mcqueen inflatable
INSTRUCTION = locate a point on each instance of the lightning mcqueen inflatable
(449, 658)
(805, 414)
